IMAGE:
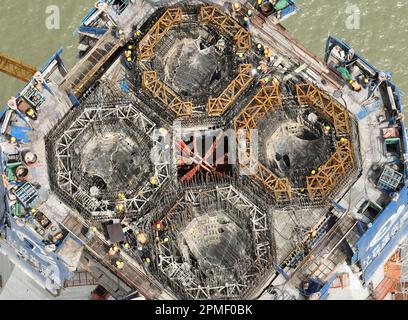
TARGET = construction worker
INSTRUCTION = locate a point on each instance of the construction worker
(120, 264)
(113, 250)
(263, 67)
(268, 53)
(260, 48)
(313, 233)
(154, 181)
(236, 6)
(120, 207)
(247, 22)
(264, 81)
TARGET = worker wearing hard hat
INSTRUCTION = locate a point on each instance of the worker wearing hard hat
(120, 264)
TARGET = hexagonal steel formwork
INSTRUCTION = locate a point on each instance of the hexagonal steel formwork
(320, 183)
(212, 242)
(99, 158)
(195, 36)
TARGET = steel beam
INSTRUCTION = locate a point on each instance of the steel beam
(218, 106)
(332, 171)
(16, 69)
(165, 95)
(309, 94)
(228, 25)
(146, 46)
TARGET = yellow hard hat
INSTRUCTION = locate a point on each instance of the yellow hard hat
(259, 46)
(154, 180)
(313, 172)
(127, 245)
(33, 210)
(13, 139)
(148, 260)
(246, 18)
(120, 207)
(260, 1)
(30, 112)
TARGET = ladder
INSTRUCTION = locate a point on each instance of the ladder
(16, 68)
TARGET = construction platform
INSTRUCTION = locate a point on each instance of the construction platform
(197, 151)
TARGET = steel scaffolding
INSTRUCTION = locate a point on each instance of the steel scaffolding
(164, 94)
(170, 18)
(227, 24)
(218, 106)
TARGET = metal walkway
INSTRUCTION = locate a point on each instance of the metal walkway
(78, 77)
(130, 274)
(324, 258)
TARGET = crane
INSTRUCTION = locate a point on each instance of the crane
(16, 68)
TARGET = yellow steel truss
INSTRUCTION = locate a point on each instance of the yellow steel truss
(267, 99)
(16, 69)
(218, 106)
(161, 92)
(329, 174)
(228, 25)
(309, 94)
(170, 18)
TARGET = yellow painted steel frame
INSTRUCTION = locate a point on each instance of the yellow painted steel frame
(228, 25)
(161, 92)
(329, 174)
(342, 160)
(16, 69)
(268, 98)
(218, 106)
(146, 46)
(307, 93)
